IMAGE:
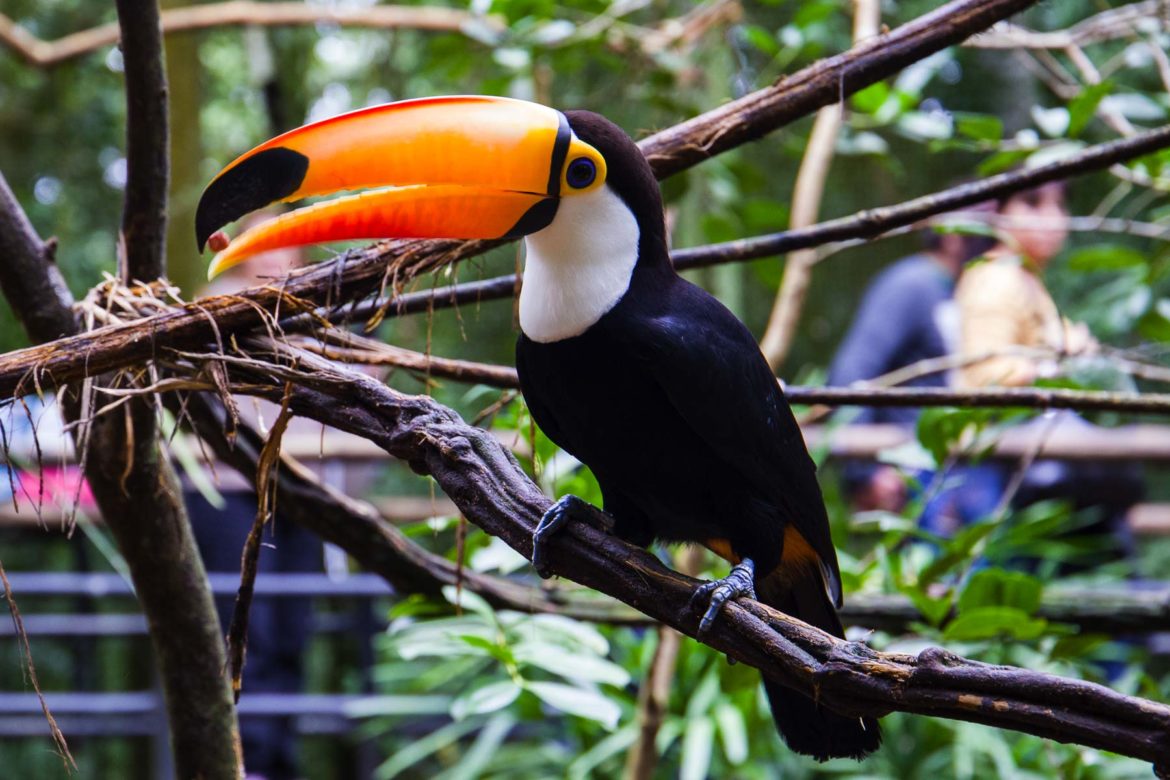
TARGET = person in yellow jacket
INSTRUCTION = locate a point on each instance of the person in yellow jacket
(1011, 330)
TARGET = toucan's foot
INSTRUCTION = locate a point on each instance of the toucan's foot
(738, 583)
(557, 517)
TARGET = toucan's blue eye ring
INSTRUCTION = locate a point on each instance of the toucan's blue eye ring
(581, 173)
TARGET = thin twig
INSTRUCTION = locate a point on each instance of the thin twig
(266, 467)
(59, 742)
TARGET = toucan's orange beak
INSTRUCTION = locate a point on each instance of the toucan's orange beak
(453, 167)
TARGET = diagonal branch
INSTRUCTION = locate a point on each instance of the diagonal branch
(483, 479)
(827, 81)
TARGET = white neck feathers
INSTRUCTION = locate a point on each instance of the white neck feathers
(578, 267)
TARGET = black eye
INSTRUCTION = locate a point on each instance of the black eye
(581, 173)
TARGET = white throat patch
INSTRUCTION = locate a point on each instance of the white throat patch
(578, 267)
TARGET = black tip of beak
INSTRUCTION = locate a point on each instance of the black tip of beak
(263, 178)
(536, 218)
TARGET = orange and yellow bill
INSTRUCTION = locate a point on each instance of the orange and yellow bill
(458, 167)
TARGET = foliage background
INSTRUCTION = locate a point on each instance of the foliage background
(484, 694)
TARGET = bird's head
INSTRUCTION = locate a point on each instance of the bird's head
(451, 167)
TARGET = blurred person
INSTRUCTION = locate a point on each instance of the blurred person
(1013, 334)
(1007, 314)
(907, 315)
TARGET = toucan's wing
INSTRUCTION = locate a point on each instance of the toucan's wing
(710, 368)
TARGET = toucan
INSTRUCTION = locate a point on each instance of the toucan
(642, 376)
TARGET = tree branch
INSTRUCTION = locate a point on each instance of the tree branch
(483, 479)
(242, 12)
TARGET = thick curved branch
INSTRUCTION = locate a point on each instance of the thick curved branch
(483, 479)
(242, 12)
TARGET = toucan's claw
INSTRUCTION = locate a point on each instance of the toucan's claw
(568, 508)
(740, 582)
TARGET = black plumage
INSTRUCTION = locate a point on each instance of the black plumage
(669, 401)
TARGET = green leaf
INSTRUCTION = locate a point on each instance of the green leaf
(1082, 107)
(1077, 646)
(1105, 257)
(501, 653)
(572, 632)
(1002, 161)
(696, 751)
(956, 552)
(933, 610)
(813, 11)
(413, 752)
(762, 214)
(705, 694)
(941, 429)
(732, 732)
(994, 622)
(481, 752)
(468, 601)
(997, 587)
(574, 666)
(617, 742)
(487, 698)
(578, 701)
(760, 38)
(981, 127)
(871, 98)
(1155, 324)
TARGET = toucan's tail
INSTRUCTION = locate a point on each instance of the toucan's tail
(806, 726)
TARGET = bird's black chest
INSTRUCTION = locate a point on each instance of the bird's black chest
(601, 400)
